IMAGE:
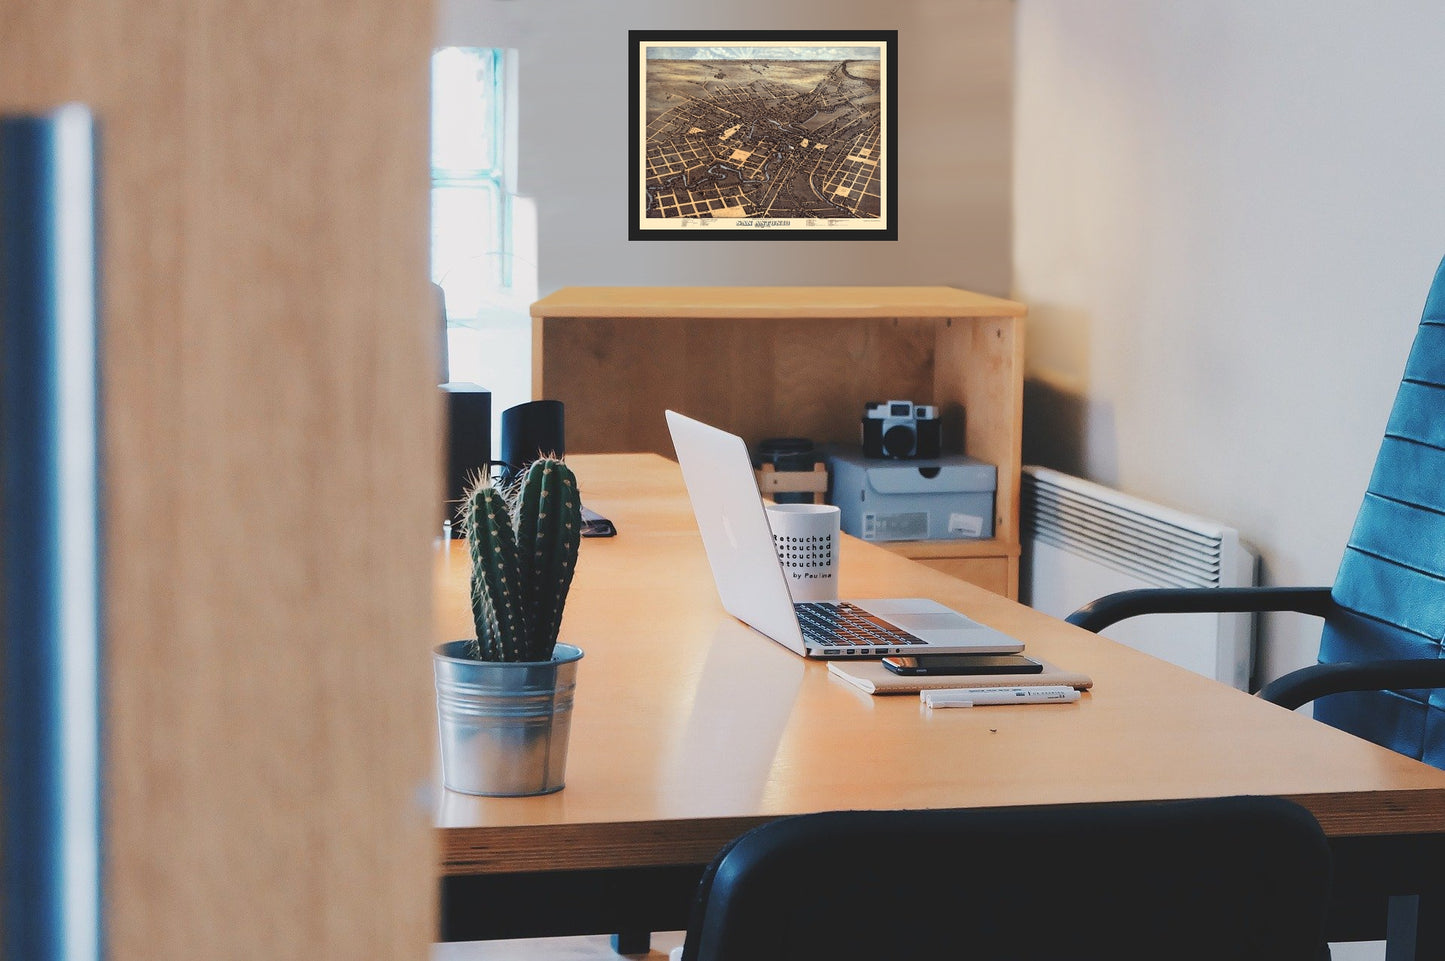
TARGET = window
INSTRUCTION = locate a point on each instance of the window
(483, 235)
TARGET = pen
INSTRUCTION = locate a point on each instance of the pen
(981, 696)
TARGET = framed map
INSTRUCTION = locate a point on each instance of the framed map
(766, 136)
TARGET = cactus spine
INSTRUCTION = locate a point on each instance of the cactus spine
(523, 545)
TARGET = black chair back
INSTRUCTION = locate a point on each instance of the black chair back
(1237, 878)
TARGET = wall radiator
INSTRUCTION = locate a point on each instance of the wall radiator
(1082, 541)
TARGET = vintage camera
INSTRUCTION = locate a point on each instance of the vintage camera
(901, 429)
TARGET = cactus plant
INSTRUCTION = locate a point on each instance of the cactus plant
(523, 544)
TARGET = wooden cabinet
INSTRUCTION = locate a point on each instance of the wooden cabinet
(794, 361)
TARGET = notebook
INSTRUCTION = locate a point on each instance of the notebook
(753, 587)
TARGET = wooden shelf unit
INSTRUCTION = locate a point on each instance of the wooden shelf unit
(795, 361)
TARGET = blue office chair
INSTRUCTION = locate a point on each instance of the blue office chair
(1238, 878)
(1381, 663)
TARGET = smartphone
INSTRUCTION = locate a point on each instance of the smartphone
(595, 525)
(912, 665)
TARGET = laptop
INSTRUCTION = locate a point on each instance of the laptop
(754, 588)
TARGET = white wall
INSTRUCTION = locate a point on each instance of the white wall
(1227, 216)
(954, 140)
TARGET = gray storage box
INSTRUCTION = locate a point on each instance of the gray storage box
(947, 498)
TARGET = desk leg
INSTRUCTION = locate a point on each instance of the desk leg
(632, 942)
(1416, 928)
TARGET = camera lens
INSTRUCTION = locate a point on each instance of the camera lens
(899, 440)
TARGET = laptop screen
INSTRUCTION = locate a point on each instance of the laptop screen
(734, 527)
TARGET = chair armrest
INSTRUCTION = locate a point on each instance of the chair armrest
(1099, 614)
(1304, 685)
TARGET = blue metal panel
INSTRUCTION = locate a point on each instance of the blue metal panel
(50, 760)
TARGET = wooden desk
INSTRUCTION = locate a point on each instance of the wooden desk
(690, 728)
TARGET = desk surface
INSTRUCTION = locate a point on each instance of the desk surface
(689, 727)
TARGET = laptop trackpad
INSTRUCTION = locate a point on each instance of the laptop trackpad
(915, 614)
(925, 624)
(950, 629)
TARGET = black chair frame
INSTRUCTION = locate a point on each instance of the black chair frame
(1413, 924)
(1295, 688)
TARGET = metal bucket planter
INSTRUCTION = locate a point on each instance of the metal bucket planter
(504, 726)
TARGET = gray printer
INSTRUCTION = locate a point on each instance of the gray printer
(943, 498)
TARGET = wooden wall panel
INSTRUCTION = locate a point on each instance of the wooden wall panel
(271, 438)
(759, 377)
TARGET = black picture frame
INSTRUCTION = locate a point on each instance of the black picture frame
(763, 135)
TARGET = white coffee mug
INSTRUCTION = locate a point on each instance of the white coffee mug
(806, 537)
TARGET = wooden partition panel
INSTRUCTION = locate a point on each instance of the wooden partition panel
(271, 476)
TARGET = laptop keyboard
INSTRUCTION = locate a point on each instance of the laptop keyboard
(846, 626)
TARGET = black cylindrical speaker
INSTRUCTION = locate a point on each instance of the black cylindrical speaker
(530, 431)
(469, 442)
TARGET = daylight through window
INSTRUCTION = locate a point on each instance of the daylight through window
(483, 237)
